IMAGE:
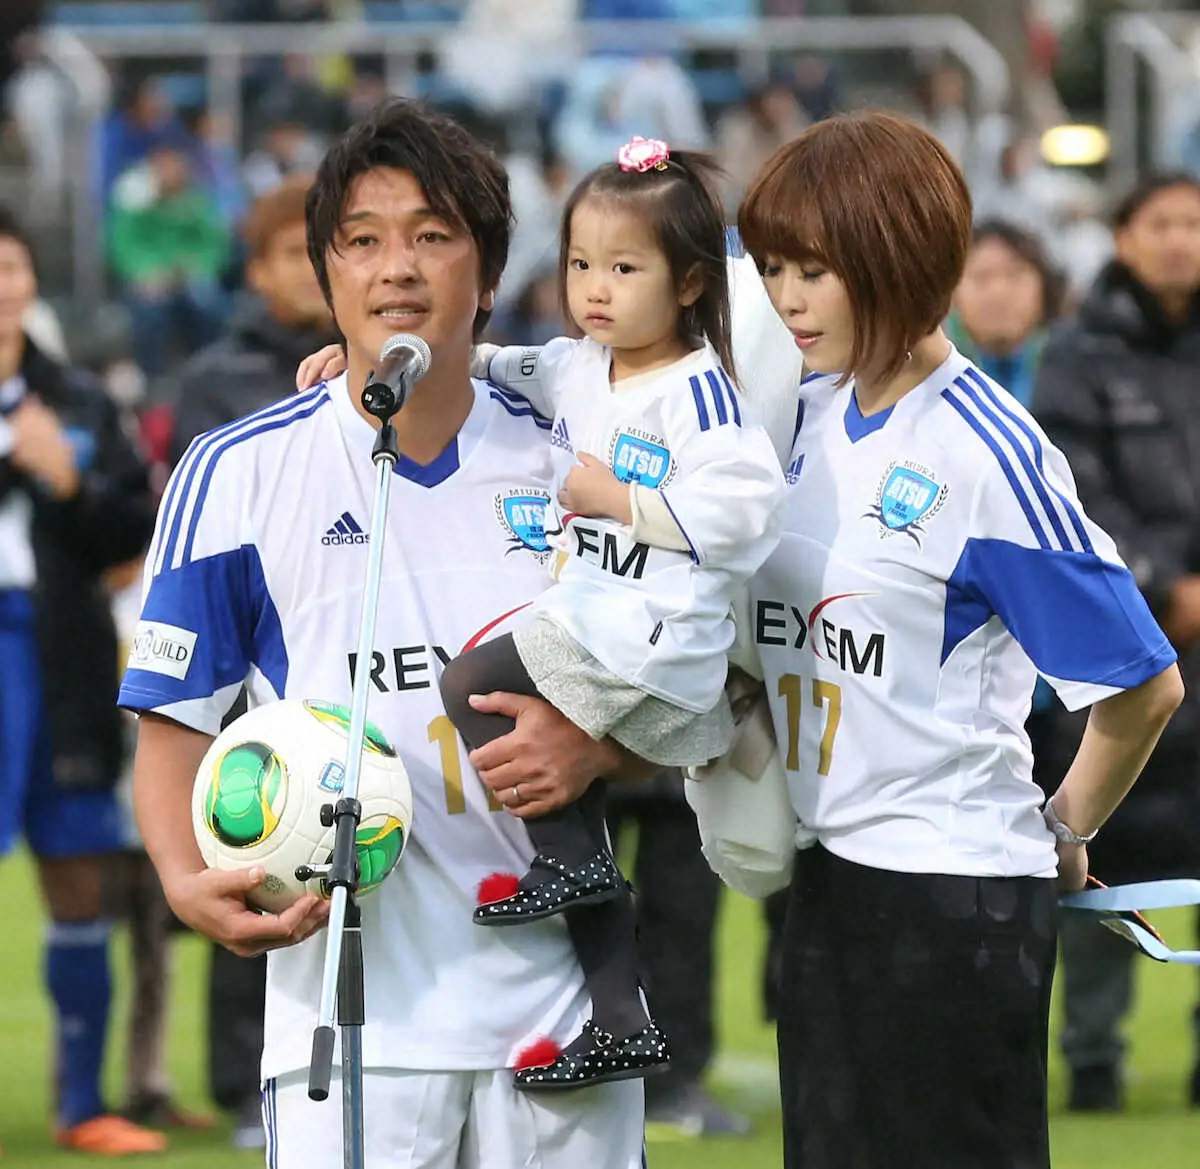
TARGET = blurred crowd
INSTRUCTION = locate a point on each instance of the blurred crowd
(173, 181)
(1088, 314)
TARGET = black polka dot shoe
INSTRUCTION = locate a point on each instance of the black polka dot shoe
(597, 879)
(596, 1057)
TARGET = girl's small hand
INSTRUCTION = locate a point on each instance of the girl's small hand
(593, 490)
(321, 366)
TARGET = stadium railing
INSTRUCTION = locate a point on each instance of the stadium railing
(1155, 40)
(92, 86)
(223, 48)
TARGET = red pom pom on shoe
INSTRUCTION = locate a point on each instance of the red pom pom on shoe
(497, 887)
(539, 1054)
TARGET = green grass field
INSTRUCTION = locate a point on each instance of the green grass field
(1157, 1130)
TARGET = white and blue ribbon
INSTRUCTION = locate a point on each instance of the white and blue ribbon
(1117, 909)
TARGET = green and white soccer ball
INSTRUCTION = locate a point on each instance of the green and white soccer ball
(260, 787)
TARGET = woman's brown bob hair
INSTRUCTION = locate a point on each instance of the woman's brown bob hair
(881, 204)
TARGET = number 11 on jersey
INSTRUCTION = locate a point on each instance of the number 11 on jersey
(825, 695)
(441, 731)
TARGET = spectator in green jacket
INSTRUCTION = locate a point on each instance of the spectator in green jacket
(167, 246)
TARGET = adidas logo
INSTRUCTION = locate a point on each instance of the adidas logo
(345, 531)
(793, 472)
(560, 438)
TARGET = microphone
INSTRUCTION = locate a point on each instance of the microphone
(404, 360)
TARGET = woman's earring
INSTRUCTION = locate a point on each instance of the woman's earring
(908, 355)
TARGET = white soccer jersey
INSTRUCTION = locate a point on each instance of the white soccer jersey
(934, 558)
(256, 575)
(769, 364)
(658, 618)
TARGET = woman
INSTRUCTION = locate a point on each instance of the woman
(1008, 296)
(934, 561)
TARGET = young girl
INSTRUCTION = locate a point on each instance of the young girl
(669, 499)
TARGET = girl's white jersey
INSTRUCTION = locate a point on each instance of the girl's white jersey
(658, 618)
(935, 558)
(256, 577)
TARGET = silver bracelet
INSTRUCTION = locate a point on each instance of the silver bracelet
(1060, 830)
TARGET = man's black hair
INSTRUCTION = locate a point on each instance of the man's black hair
(462, 178)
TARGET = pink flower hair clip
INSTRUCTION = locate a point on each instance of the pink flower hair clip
(643, 154)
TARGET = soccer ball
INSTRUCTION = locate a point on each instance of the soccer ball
(259, 791)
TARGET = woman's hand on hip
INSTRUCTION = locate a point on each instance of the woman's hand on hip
(1072, 866)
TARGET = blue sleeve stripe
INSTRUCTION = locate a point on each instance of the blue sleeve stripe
(166, 509)
(683, 531)
(1022, 498)
(197, 451)
(998, 401)
(701, 408)
(178, 499)
(718, 397)
(264, 427)
(734, 248)
(525, 411)
(267, 1103)
(515, 398)
(172, 506)
(733, 397)
(1018, 448)
(512, 395)
(1053, 601)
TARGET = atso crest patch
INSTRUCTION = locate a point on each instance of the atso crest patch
(521, 512)
(908, 497)
(639, 457)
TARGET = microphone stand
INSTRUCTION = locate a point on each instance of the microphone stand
(342, 981)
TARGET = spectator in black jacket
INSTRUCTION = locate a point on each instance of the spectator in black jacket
(284, 320)
(74, 503)
(253, 365)
(1117, 392)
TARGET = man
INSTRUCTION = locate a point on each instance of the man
(1116, 391)
(408, 228)
(73, 503)
(252, 365)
